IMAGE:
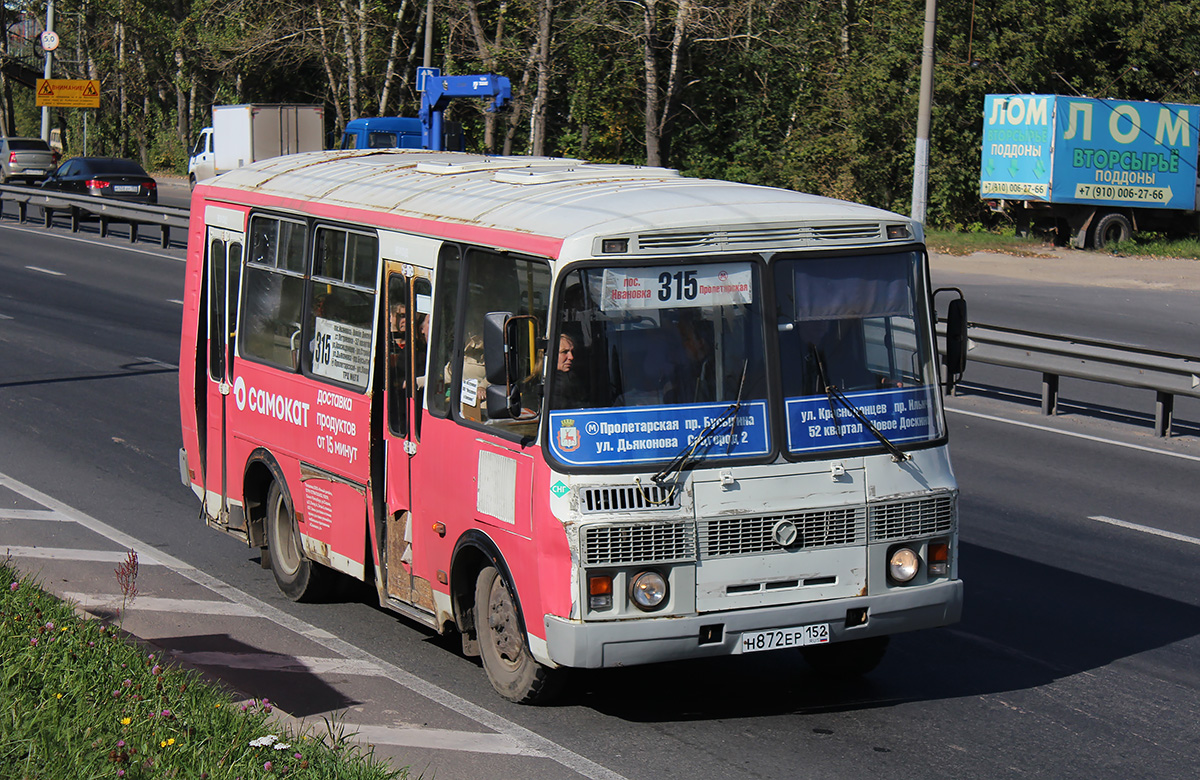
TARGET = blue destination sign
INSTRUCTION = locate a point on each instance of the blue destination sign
(901, 415)
(647, 434)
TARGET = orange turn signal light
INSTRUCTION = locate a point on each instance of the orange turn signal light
(939, 558)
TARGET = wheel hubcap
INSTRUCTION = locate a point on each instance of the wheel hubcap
(502, 622)
(285, 548)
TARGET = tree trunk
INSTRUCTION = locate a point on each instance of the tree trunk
(541, 98)
(650, 65)
(183, 125)
(122, 97)
(351, 62)
(334, 88)
(487, 56)
(518, 101)
(390, 71)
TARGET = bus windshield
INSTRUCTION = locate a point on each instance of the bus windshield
(652, 363)
(854, 337)
(648, 357)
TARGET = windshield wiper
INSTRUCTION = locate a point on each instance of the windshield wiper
(833, 394)
(687, 456)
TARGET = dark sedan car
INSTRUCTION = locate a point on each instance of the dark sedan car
(105, 177)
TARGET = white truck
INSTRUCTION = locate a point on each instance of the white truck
(247, 133)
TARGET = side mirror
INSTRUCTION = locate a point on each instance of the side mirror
(508, 345)
(503, 402)
(956, 338)
(495, 349)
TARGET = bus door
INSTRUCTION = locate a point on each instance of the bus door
(224, 272)
(409, 296)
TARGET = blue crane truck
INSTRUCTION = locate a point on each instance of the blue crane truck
(1094, 170)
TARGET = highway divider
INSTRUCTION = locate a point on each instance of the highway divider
(1167, 374)
(106, 210)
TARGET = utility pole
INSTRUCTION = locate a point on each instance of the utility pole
(428, 61)
(921, 163)
(49, 58)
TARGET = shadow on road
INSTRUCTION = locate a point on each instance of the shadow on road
(283, 679)
(1026, 624)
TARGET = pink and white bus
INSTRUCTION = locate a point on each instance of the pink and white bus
(584, 415)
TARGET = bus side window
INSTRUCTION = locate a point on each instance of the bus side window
(399, 348)
(445, 318)
(342, 306)
(274, 293)
(419, 321)
(520, 286)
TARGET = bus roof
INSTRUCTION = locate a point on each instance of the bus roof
(562, 199)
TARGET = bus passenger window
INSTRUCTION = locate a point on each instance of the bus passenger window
(520, 286)
(398, 355)
(342, 307)
(442, 341)
(274, 296)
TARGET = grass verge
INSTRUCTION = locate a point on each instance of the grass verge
(80, 700)
(949, 242)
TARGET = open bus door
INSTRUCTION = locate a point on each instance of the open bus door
(409, 296)
(224, 273)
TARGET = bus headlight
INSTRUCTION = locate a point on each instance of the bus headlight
(903, 564)
(648, 590)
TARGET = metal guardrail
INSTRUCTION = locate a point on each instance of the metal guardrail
(1167, 374)
(106, 210)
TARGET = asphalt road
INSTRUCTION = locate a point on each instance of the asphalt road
(1077, 656)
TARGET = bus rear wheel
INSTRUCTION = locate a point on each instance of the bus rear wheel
(507, 661)
(299, 578)
(846, 659)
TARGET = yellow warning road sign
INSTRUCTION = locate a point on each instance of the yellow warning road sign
(68, 93)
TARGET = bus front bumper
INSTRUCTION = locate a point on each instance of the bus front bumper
(652, 640)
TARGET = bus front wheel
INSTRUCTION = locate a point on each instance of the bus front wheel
(510, 667)
(299, 578)
(846, 659)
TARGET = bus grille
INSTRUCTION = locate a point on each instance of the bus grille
(626, 498)
(912, 517)
(726, 536)
(637, 543)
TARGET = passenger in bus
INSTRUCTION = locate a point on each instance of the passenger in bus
(698, 383)
(421, 349)
(570, 389)
(398, 325)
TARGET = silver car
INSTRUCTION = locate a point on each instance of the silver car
(25, 160)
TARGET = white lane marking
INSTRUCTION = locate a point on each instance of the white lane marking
(274, 662)
(145, 557)
(34, 514)
(93, 243)
(1146, 529)
(1072, 434)
(45, 271)
(532, 741)
(445, 739)
(175, 301)
(159, 604)
(5, 317)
